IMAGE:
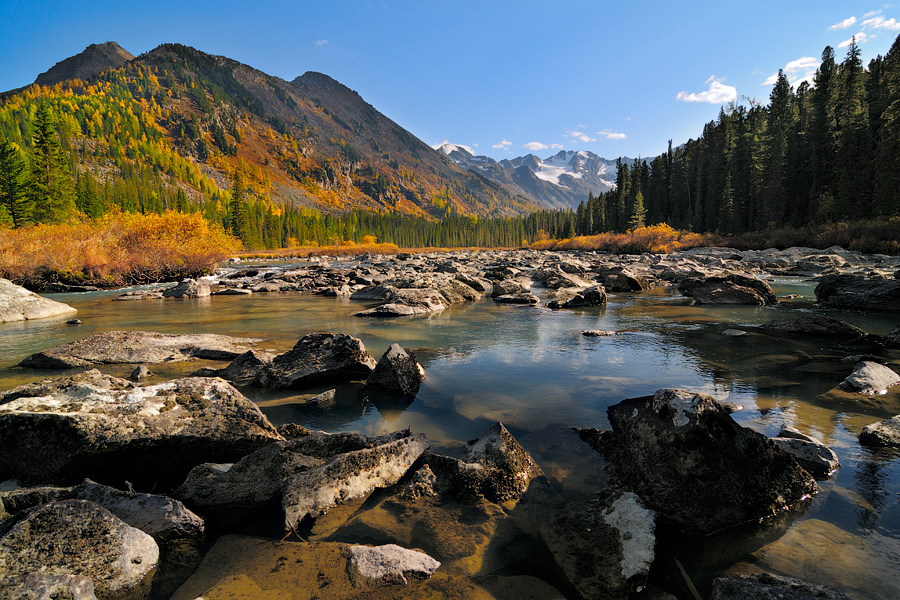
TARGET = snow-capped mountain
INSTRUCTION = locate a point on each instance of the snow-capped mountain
(559, 181)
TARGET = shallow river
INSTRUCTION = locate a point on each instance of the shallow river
(533, 370)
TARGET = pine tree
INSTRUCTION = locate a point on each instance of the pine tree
(52, 188)
(13, 185)
(638, 212)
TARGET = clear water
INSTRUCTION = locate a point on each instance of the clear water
(534, 371)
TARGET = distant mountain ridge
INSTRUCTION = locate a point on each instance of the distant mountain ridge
(91, 60)
(560, 181)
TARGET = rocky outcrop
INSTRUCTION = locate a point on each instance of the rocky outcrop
(318, 358)
(694, 465)
(816, 458)
(76, 537)
(728, 289)
(766, 585)
(853, 291)
(18, 304)
(134, 347)
(103, 427)
(869, 378)
(818, 326)
(397, 371)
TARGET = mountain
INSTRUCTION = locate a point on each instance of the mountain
(556, 182)
(174, 124)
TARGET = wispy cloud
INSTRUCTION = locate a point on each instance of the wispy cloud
(580, 135)
(535, 146)
(321, 42)
(871, 14)
(881, 23)
(718, 93)
(797, 71)
(557, 146)
(611, 135)
(861, 38)
(502, 145)
(843, 24)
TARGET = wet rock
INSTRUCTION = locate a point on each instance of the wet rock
(140, 372)
(244, 369)
(479, 284)
(140, 295)
(318, 358)
(397, 371)
(391, 563)
(189, 288)
(729, 289)
(869, 378)
(377, 293)
(18, 304)
(149, 347)
(734, 332)
(519, 298)
(818, 326)
(694, 465)
(324, 399)
(770, 587)
(495, 467)
(506, 287)
(592, 296)
(624, 280)
(105, 428)
(604, 546)
(883, 433)
(816, 458)
(78, 538)
(598, 333)
(893, 338)
(851, 291)
(233, 291)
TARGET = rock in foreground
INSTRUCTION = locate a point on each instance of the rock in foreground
(766, 586)
(689, 461)
(18, 304)
(397, 371)
(869, 378)
(852, 291)
(728, 289)
(318, 358)
(883, 433)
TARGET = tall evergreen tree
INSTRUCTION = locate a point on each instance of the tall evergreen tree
(52, 187)
(13, 185)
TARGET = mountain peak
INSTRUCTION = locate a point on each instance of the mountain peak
(91, 60)
(314, 79)
(448, 149)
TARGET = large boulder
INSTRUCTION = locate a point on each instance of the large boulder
(318, 358)
(133, 347)
(818, 326)
(189, 288)
(728, 289)
(869, 378)
(76, 537)
(397, 371)
(605, 545)
(592, 296)
(103, 427)
(18, 304)
(883, 433)
(852, 291)
(815, 457)
(689, 461)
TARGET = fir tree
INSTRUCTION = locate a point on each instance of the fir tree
(13, 185)
(52, 188)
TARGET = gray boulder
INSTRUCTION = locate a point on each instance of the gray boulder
(318, 358)
(18, 304)
(852, 291)
(770, 587)
(397, 371)
(41, 586)
(818, 326)
(869, 378)
(76, 537)
(593, 296)
(816, 458)
(391, 563)
(519, 298)
(376, 293)
(135, 347)
(189, 288)
(689, 461)
(728, 289)
(883, 433)
(102, 427)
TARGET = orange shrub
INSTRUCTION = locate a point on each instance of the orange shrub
(655, 239)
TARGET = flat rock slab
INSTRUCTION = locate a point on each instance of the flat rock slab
(869, 378)
(18, 304)
(98, 426)
(76, 537)
(818, 326)
(729, 289)
(133, 347)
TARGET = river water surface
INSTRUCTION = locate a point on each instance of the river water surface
(533, 370)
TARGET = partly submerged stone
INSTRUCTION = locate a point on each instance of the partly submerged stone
(133, 347)
(689, 461)
(517, 298)
(883, 433)
(76, 537)
(392, 563)
(94, 425)
(869, 378)
(766, 585)
(852, 291)
(605, 545)
(728, 289)
(818, 326)
(816, 458)
(397, 371)
(592, 296)
(189, 288)
(318, 358)
(19, 304)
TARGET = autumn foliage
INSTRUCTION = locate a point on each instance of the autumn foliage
(119, 248)
(654, 239)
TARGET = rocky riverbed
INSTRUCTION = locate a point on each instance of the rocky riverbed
(196, 485)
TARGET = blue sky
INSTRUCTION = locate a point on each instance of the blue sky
(503, 78)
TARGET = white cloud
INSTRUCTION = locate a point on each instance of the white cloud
(871, 14)
(535, 146)
(610, 135)
(881, 23)
(843, 24)
(557, 146)
(502, 145)
(797, 71)
(321, 42)
(861, 38)
(718, 93)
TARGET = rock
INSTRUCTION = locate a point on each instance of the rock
(94, 425)
(604, 546)
(77, 537)
(124, 347)
(506, 287)
(598, 333)
(592, 296)
(869, 378)
(140, 372)
(818, 326)
(140, 295)
(16, 501)
(852, 291)
(479, 284)
(233, 291)
(392, 563)
(519, 298)
(73, 322)
(770, 587)
(883, 433)
(18, 304)
(164, 519)
(694, 465)
(41, 585)
(318, 358)
(893, 338)
(623, 280)
(397, 371)
(390, 311)
(734, 332)
(377, 293)
(189, 288)
(244, 369)
(816, 458)
(324, 399)
(729, 289)
(495, 467)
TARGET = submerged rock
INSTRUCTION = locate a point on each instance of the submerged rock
(103, 427)
(766, 586)
(816, 458)
(76, 537)
(694, 465)
(728, 289)
(318, 358)
(18, 304)
(397, 371)
(852, 291)
(883, 433)
(869, 378)
(133, 347)
(814, 326)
